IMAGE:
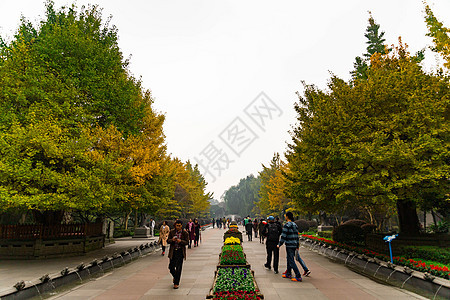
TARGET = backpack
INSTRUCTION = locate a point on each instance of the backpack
(273, 233)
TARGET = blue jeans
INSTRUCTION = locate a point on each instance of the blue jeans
(300, 260)
(291, 265)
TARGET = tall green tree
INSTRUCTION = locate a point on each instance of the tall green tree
(273, 200)
(240, 199)
(77, 130)
(375, 44)
(377, 143)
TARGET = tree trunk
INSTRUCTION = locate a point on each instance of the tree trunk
(127, 217)
(434, 217)
(425, 220)
(407, 217)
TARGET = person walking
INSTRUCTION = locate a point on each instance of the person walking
(255, 227)
(261, 225)
(213, 222)
(178, 239)
(249, 229)
(191, 231)
(289, 237)
(272, 232)
(152, 226)
(163, 235)
(306, 271)
(197, 232)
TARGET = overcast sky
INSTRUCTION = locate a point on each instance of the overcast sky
(225, 73)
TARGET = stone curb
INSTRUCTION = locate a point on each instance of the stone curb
(48, 283)
(400, 276)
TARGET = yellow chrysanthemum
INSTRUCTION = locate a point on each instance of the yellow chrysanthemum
(232, 240)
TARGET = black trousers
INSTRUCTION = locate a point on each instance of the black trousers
(176, 265)
(271, 247)
(197, 237)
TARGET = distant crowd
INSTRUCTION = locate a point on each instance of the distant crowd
(274, 235)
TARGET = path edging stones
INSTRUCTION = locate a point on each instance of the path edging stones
(48, 283)
(400, 276)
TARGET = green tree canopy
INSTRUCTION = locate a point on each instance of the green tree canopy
(77, 131)
(377, 143)
(440, 35)
(375, 44)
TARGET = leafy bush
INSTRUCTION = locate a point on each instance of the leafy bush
(325, 234)
(312, 224)
(368, 228)
(311, 232)
(355, 222)
(441, 227)
(349, 234)
(441, 255)
(302, 225)
(118, 233)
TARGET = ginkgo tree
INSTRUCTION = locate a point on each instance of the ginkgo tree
(273, 199)
(382, 142)
(440, 35)
(78, 132)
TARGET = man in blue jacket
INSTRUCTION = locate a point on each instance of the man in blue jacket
(289, 237)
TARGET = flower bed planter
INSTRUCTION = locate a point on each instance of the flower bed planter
(257, 291)
(403, 277)
(235, 235)
(232, 257)
(237, 281)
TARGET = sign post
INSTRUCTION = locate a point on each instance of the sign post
(388, 239)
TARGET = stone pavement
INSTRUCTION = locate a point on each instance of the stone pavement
(149, 278)
(13, 271)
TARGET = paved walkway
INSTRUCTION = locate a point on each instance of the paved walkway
(149, 278)
(13, 271)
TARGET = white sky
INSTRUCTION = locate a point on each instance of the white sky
(206, 61)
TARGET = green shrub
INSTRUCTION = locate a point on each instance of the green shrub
(302, 225)
(441, 255)
(310, 231)
(355, 222)
(312, 224)
(368, 228)
(118, 233)
(325, 234)
(441, 227)
(349, 234)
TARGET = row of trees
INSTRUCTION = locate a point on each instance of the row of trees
(378, 143)
(78, 132)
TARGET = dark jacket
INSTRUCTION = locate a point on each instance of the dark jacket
(289, 235)
(265, 232)
(249, 227)
(183, 243)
